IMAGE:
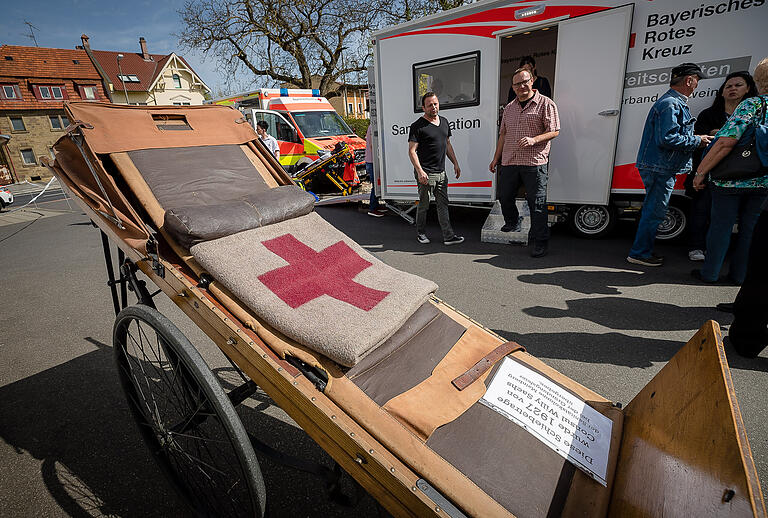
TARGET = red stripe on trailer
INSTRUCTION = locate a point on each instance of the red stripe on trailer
(504, 17)
(457, 184)
(507, 14)
(626, 177)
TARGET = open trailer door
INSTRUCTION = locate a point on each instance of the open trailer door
(589, 81)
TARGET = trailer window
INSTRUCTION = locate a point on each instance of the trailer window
(455, 80)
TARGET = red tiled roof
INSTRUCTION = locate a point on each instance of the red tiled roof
(39, 62)
(31, 66)
(132, 63)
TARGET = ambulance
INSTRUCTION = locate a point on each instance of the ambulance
(607, 62)
(303, 122)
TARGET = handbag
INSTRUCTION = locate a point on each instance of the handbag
(743, 162)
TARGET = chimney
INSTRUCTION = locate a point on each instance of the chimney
(84, 38)
(144, 54)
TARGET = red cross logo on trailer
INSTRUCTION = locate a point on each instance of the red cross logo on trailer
(311, 274)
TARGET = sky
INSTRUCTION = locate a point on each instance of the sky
(111, 25)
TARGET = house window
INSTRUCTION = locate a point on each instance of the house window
(88, 93)
(17, 124)
(47, 92)
(10, 92)
(359, 107)
(28, 157)
(176, 81)
(181, 104)
(129, 78)
(55, 122)
(455, 80)
(64, 120)
(349, 108)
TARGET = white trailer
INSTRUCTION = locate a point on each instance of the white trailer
(607, 62)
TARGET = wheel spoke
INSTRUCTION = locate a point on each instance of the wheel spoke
(185, 417)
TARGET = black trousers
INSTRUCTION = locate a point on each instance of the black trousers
(749, 331)
(535, 180)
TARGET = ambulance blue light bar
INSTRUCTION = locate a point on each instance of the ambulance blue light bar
(283, 92)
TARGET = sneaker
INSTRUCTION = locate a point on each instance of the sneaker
(696, 255)
(423, 239)
(455, 240)
(646, 261)
(540, 249)
(696, 274)
(507, 227)
(377, 213)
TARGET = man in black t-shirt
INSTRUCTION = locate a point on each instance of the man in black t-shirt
(429, 142)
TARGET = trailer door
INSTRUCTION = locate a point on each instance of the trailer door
(589, 82)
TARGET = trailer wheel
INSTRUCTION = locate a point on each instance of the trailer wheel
(592, 221)
(674, 223)
(185, 417)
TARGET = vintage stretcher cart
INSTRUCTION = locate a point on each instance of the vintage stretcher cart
(399, 394)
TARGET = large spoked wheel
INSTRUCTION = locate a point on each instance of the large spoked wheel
(592, 221)
(185, 417)
(674, 223)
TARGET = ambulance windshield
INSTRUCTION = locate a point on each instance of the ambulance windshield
(321, 124)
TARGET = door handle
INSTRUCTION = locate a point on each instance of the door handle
(609, 113)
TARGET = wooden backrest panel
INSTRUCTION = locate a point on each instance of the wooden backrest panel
(684, 451)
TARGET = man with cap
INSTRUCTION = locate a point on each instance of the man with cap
(665, 151)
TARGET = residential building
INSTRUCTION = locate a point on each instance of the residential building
(34, 83)
(148, 79)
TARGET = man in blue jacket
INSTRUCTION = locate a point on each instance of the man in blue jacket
(665, 151)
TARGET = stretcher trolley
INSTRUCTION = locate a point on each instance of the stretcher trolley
(430, 412)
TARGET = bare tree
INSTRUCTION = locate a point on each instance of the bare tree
(296, 41)
(290, 41)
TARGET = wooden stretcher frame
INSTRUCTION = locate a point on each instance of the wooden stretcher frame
(390, 480)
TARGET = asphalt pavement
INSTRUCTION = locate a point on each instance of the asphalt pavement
(68, 446)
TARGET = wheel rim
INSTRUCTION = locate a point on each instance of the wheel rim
(592, 219)
(182, 423)
(673, 224)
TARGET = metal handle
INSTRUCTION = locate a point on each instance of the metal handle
(609, 113)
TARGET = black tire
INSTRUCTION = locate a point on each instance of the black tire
(185, 417)
(592, 221)
(674, 224)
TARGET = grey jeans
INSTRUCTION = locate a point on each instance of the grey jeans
(438, 186)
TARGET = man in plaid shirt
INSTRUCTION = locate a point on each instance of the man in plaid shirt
(529, 122)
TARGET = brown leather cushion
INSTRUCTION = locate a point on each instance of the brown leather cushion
(197, 176)
(195, 224)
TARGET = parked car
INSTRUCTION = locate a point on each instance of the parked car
(6, 197)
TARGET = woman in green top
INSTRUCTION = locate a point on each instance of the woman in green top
(733, 199)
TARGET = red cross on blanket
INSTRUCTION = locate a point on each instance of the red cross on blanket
(311, 274)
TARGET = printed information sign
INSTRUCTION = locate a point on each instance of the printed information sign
(556, 417)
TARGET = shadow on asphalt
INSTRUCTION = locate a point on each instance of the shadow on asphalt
(623, 313)
(617, 349)
(58, 415)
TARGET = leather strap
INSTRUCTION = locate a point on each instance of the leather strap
(486, 363)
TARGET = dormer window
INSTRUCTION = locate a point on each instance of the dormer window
(50, 92)
(10, 92)
(88, 92)
(128, 78)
